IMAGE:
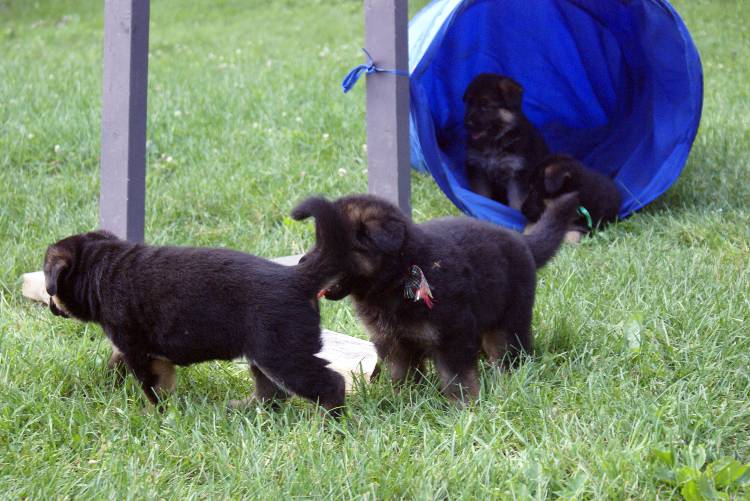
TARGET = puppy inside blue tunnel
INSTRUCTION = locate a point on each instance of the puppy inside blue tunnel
(615, 83)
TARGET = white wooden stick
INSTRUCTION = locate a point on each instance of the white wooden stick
(349, 356)
(288, 260)
(33, 287)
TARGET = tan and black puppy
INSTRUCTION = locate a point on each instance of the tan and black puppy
(560, 174)
(167, 306)
(503, 147)
(440, 290)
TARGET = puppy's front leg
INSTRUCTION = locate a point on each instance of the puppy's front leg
(494, 345)
(376, 371)
(155, 376)
(403, 361)
(266, 391)
(140, 366)
(456, 362)
(479, 183)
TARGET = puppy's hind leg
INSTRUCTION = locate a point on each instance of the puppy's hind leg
(517, 328)
(458, 375)
(141, 366)
(266, 391)
(306, 375)
(403, 360)
(456, 362)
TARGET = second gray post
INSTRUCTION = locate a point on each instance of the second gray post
(123, 158)
(386, 38)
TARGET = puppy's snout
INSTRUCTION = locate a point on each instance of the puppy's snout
(57, 311)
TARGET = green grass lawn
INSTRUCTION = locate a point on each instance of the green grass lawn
(642, 332)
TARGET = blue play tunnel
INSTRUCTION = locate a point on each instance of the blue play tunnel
(616, 83)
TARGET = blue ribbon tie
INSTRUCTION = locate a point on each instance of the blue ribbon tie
(351, 78)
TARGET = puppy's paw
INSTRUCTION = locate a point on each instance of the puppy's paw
(335, 413)
(376, 371)
(244, 403)
(158, 407)
(254, 402)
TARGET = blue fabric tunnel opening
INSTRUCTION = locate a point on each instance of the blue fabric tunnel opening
(617, 84)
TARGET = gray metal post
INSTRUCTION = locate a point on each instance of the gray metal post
(123, 157)
(386, 38)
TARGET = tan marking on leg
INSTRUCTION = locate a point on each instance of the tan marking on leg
(494, 345)
(460, 388)
(165, 372)
(116, 359)
(117, 364)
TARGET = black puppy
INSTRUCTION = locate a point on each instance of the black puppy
(166, 306)
(503, 147)
(483, 279)
(561, 174)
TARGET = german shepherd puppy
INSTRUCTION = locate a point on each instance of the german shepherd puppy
(559, 174)
(483, 279)
(503, 147)
(167, 306)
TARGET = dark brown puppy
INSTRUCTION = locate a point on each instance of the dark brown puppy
(561, 174)
(503, 147)
(483, 278)
(166, 306)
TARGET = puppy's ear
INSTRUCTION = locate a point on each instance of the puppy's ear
(475, 85)
(555, 179)
(329, 227)
(58, 260)
(511, 91)
(387, 236)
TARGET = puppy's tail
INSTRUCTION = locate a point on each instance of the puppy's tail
(547, 235)
(324, 262)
